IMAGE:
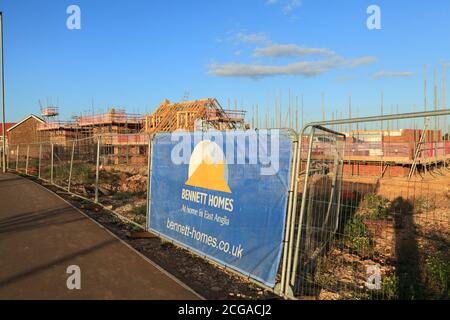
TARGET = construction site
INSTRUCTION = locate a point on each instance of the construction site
(375, 174)
(397, 152)
(284, 152)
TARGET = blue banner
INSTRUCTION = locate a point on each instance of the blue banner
(223, 195)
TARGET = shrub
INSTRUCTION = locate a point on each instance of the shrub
(357, 238)
(140, 210)
(375, 207)
(81, 173)
(423, 205)
(389, 288)
(438, 274)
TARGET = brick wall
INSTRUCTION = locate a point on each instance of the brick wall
(25, 132)
(374, 170)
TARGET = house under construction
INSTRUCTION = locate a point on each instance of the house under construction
(126, 134)
(115, 121)
(192, 116)
(394, 152)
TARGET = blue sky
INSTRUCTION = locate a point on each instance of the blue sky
(133, 54)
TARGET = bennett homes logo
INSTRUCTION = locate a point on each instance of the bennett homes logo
(208, 170)
(207, 167)
(251, 147)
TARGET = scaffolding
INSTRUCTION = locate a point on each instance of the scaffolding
(193, 115)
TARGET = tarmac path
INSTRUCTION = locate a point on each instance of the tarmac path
(41, 235)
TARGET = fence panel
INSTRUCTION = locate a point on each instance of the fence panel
(123, 173)
(391, 236)
(215, 199)
(33, 159)
(82, 159)
(61, 164)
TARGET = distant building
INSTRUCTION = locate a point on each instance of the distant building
(7, 126)
(392, 152)
(26, 131)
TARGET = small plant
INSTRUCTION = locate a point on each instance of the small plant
(139, 219)
(115, 221)
(375, 207)
(127, 195)
(389, 288)
(424, 205)
(134, 228)
(81, 173)
(357, 238)
(140, 210)
(438, 274)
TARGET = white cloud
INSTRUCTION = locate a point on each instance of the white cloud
(303, 68)
(260, 69)
(290, 50)
(238, 38)
(291, 6)
(345, 78)
(253, 38)
(392, 74)
(361, 61)
(307, 69)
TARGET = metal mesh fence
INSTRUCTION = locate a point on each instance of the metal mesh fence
(380, 231)
(110, 170)
(370, 219)
(123, 173)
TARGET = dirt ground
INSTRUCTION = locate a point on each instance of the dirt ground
(410, 243)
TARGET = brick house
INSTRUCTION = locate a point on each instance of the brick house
(26, 131)
(7, 126)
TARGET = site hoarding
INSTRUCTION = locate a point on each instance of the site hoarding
(223, 195)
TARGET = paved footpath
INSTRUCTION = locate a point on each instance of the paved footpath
(41, 236)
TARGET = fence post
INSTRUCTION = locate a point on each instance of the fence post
(39, 164)
(97, 169)
(149, 175)
(51, 164)
(71, 166)
(17, 158)
(28, 156)
(293, 179)
(296, 246)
